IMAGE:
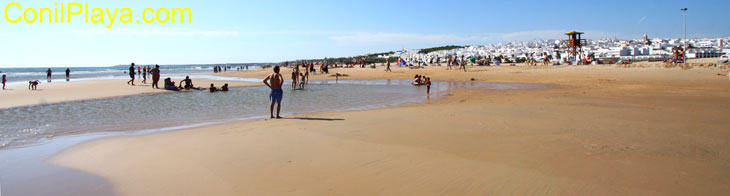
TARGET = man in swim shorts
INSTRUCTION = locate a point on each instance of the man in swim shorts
(275, 81)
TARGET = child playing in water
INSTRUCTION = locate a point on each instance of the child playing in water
(224, 87)
(212, 88)
(301, 84)
(294, 79)
(428, 86)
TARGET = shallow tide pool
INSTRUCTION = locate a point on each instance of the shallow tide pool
(30, 124)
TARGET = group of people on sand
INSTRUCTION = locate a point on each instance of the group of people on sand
(218, 69)
(301, 77)
(49, 74)
(142, 71)
(420, 80)
(457, 62)
(187, 84)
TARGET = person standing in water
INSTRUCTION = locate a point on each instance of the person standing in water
(274, 81)
(294, 77)
(131, 75)
(48, 74)
(155, 77)
(68, 74)
(4, 80)
(428, 86)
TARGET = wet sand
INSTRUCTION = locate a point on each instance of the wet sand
(603, 130)
(19, 95)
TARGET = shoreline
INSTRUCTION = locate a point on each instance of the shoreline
(80, 179)
(20, 96)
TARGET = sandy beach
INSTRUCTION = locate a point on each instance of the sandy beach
(19, 95)
(602, 130)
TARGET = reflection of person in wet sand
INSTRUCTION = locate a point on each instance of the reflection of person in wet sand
(274, 81)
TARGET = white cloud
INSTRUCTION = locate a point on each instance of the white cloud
(155, 32)
(641, 20)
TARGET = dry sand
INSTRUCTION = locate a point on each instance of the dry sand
(602, 131)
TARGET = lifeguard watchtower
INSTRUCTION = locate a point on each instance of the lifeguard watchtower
(574, 42)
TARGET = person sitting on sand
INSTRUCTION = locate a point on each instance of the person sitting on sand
(276, 93)
(224, 88)
(188, 83)
(212, 88)
(170, 85)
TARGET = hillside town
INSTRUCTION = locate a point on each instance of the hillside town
(597, 51)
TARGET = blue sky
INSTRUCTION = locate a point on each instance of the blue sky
(272, 31)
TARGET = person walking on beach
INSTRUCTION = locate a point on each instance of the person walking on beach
(387, 66)
(305, 77)
(48, 74)
(462, 65)
(155, 77)
(131, 75)
(68, 74)
(276, 80)
(4, 80)
(448, 63)
(144, 75)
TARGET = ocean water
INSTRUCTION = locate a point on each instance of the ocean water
(23, 75)
(26, 125)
